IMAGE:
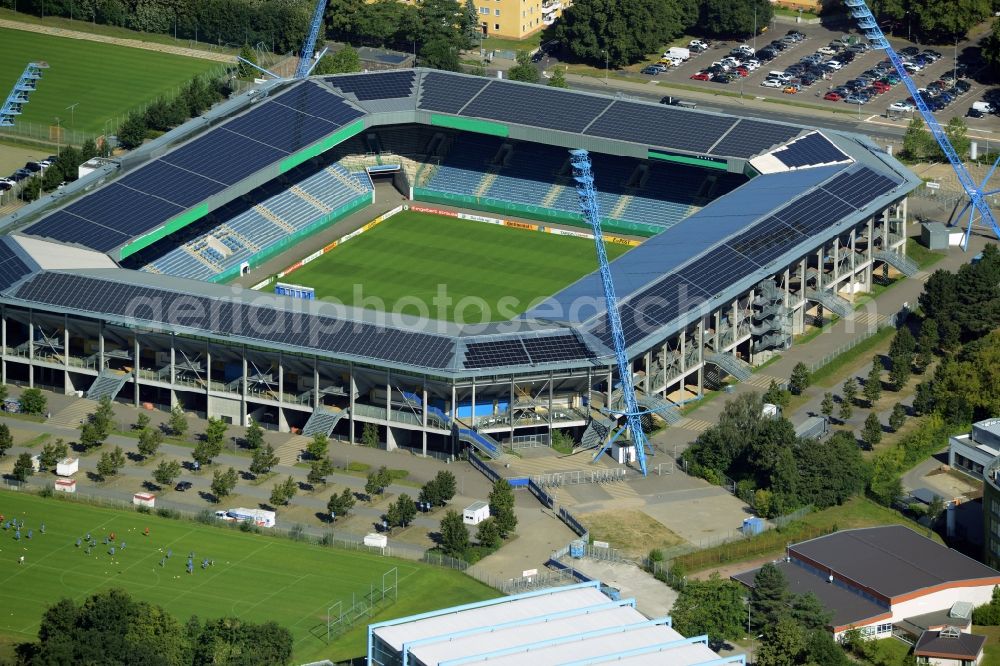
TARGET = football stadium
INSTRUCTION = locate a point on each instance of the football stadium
(406, 249)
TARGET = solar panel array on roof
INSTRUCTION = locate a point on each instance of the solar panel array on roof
(810, 150)
(12, 267)
(235, 318)
(495, 353)
(708, 275)
(375, 86)
(660, 126)
(555, 348)
(144, 199)
(750, 137)
(536, 106)
(448, 93)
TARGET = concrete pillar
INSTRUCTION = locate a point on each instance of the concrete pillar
(820, 265)
(472, 419)
(208, 373)
(352, 389)
(454, 416)
(510, 409)
(100, 347)
(315, 395)
(423, 418)
(3, 343)
(244, 389)
(135, 368)
(648, 360)
(388, 399)
(31, 351)
(67, 382)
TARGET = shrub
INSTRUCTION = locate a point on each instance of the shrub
(206, 516)
(169, 513)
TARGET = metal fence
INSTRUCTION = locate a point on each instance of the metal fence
(526, 441)
(574, 477)
(854, 342)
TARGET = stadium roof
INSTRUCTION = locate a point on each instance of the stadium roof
(813, 183)
(892, 561)
(563, 625)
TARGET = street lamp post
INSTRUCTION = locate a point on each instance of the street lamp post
(606, 68)
(755, 27)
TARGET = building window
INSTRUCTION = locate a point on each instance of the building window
(884, 628)
(496, 26)
(484, 10)
(496, 12)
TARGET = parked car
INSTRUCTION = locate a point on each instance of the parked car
(697, 44)
(833, 65)
(826, 50)
(722, 78)
(909, 51)
(974, 113)
(653, 70)
(791, 89)
(905, 107)
(963, 86)
(701, 76)
(833, 96)
(772, 83)
(855, 99)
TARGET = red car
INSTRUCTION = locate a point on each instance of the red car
(833, 97)
(881, 87)
(743, 71)
(701, 76)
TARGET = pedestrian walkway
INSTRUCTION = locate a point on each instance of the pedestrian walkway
(74, 413)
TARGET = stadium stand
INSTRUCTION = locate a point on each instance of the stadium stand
(236, 233)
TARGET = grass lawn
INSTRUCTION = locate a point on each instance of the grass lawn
(104, 80)
(991, 653)
(631, 531)
(255, 577)
(925, 258)
(858, 512)
(833, 372)
(488, 272)
(529, 43)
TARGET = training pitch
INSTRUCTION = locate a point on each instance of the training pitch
(488, 272)
(255, 577)
(104, 81)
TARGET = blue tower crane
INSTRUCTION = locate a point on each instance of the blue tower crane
(305, 59)
(305, 65)
(977, 201)
(584, 177)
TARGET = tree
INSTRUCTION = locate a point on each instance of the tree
(826, 406)
(33, 401)
(223, 482)
(372, 486)
(245, 71)
(871, 433)
(714, 607)
(166, 472)
(406, 508)
(897, 417)
(799, 380)
(283, 492)
(23, 467)
(850, 390)
(141, 422)
(110, 463)
(177, 422)
(254, 436)
(873, 384)
(344, 61)
(52, 178)
(945, 22)
(440, 53)
(340, 505)
(769, 597)
(990, 47)
(901, 352)
(88, 150)
(132, 132)
(52, 453)
(776, 396)
(203, 453)
(927, 343)
(318, 446)
(591, 28)
(809, 612)
(782, 644)
(502, 507)
(232, 640)
(470, 23)
(935, 508)
(149, 441)
(319, 470)
(830, 473)
(263, 460)
(439, 490)
(90, 436)
(454, 534)
(524, 70)
(6, 439)
(488, 534)
(918, 142)
(369, 436)
(558, 78)
(215, 435)
(734, 18)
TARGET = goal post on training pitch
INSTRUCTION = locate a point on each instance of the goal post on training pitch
(338, 620)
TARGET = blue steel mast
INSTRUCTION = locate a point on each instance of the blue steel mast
(977, 201)
(588, 203)
(305, 59)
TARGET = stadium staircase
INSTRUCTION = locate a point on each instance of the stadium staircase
(274, 218)
(597, 432)
(740, 370)
(435, 416)
(322, 421)
(249, 244)
(900, 262)
(619, 210)
(665, 409)
(346, 180)
(553, 194)
(486, 183)
(313, 201)
(481, 442)
(108, 384)
(831, 301)
(200, 258)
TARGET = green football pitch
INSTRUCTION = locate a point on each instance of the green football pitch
(256, 577)
(486, 272)
(103, 80)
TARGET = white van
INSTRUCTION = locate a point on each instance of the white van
(779, 76)
(983, 107)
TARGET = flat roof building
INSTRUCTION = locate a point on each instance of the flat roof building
(880, 578)
(563, 625)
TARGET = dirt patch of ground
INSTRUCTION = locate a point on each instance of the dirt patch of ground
(632, 532)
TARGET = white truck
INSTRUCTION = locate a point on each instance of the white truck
(678, 52)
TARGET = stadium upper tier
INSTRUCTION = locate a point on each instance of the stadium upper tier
(217, 189)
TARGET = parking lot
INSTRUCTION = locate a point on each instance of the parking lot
(816, 37)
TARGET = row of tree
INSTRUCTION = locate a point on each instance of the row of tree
(919, 145)
(193, 99)
(774, 470)
(932, 21)
(112, 628)
(454, 537)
